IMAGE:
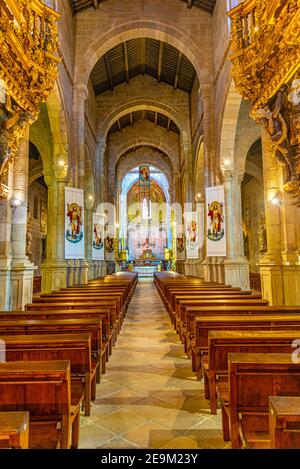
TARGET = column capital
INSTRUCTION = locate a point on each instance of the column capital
(227, 175)
(82, 92)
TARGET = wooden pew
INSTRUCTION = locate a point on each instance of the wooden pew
(257, 321)
(73, 347)
(221, 343)
(44, 389)
(284, 422)
(55, 313)
(252, 379)
(91, 326)
(14, 430)
(189, 310)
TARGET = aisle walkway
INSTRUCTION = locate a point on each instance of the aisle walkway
(149, 397)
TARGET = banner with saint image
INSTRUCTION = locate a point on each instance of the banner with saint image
(216, 231)
(74, 223)
(144, 187)
(98, 237)
(192, 235)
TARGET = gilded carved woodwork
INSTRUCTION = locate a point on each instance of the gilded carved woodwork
(265, 53)
(28, 67)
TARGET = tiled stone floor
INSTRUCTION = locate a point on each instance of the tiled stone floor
(149, 397)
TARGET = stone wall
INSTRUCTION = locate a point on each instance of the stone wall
(37, 223)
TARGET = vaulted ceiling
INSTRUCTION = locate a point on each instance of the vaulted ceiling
(156, 117)
(139, 57)
(206, 5)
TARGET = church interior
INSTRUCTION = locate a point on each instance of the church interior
(150, 224)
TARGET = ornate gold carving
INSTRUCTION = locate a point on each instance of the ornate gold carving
(28, 67)
(265, 49)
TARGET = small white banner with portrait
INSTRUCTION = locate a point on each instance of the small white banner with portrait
(98, 237)
(74, 223)
(216, 231)
(192, 235)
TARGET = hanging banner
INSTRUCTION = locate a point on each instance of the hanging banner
(98, 237)
(144, 186)
(109, 248)
(216, 232)
(74, 223)
(192, 235)
(180, 248)
(200, 217)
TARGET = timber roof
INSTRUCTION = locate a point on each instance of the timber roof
(139, 57)
(156, 117)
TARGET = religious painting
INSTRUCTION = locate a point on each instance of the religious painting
(191, 235)
(43, 219)
(98, 237)
(180, 244)
(215, 213)
(216, 231)
(109, 244)
(74, 223)
(144, 177)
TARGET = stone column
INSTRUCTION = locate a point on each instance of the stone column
(236, 267)
(271, 262)
(5, 241)
(22, 270)
(56, 271)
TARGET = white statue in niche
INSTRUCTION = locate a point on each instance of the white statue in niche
(146, 211)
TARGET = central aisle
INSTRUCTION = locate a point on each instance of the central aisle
(149, 397)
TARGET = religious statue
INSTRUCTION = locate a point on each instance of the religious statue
(215, 212)
(29, 242)
(262, 239)
(246, 244)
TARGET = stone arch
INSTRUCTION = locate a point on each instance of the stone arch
(199, 169)
(139, 105)
(229, 126)
(100, 44)
(58, 125)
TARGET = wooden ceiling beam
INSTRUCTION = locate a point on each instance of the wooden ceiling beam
(143, 114)
(190, 3)
(177, 70)
(119, 124)
(160, 61)
(156, 118)
(108, 72)
(126, 61)
(131, 118)
(143, 56)
(96, 3)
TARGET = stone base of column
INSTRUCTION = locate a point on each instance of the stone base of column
(91, 269)
(55, 276)
(180, 267)
(111, 267)
(207, 270)
(21, 285)
(5, 288)
(236, 273)
(84, 272)
(103, 269)
(291, 284)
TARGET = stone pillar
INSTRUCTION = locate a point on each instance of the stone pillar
(5, 244)
(236, 267)
(56, 271)
(22, 270)
(271, 262)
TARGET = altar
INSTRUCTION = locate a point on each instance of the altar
(145, 270)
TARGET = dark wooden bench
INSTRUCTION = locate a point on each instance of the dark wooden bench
(252, 379)
(73, 347)
(258, 321)
(14, 430)
(44, 389)
(91, 326)
(221, 343)
(284, 422)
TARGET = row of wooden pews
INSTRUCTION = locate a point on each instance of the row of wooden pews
(55, 353)
(242, 348)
